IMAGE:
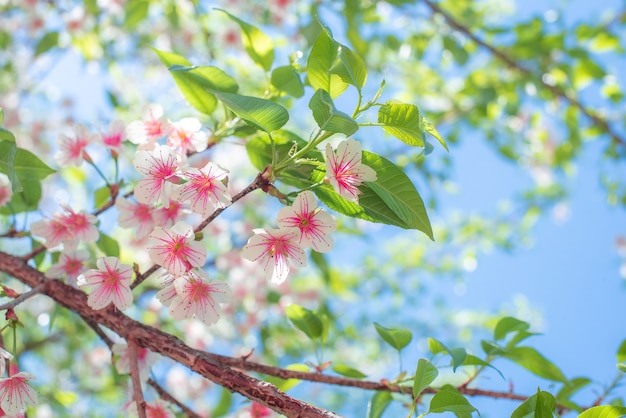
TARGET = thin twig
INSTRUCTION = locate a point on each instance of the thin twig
(21, 298)
(134, 375)
(510, 62)
(166, 396)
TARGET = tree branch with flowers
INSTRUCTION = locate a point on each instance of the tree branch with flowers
(152, 239)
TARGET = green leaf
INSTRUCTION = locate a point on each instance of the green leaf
(223, 405)
(391, 199)
(47, 42)
(350, 67)
(328, 118)
(136, 12)
(322, 58)
(604, 411)
(621, 367)
(257, 44)
(207, 77)
(259, 150)
(108, 245)
(404, 121)
(534, 362)
(321, 262)
(101, 196)
(449, 399)
(8, 151)
(571, 387)
(425, 374)
(540, 405)
(519, 337)
(458, 354)
(305, 320)
(261, 113)
(347, 371)
(492, 349)
(286, 79)
(429, 128)
(507, 325)
(192, 83)
(472, 360)
(25, 201)
(396, 337)
(377, 405)
(286, 384)
(621, 352)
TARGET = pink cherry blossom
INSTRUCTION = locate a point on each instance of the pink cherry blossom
(110, 283)
(196, 296)
(145, 359)
(16, 394)
(166, 216)
(154, 409)
(72, 148)
(6, 191)
(114, 137)
(68, 228)
(276, 249)
(186, 136)
(345, 171)
(71, 264)
(158, 166)
(135, 215)
(147, 131)
(314, 224)
(204, 189)
(175, 249)
(82, 225)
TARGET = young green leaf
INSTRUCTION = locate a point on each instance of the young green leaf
(404, 121)
(507, 325)
(328, 118)
(223, 405)
(492, 349)
(540, 405)
(305, 320)
(425, 374)
(6, 135)
(108, 245)
(321, 59)
(25, 201)
(195, 95)
(286, 384)
(458, 354)
(258, 45)
(429, 128)
(534, 362)
(259, 150)
(207, 77)
(286, 79)
(396, 337)
(472, 360)
(571, 387)
(261, 113)
(350, 67)
(377, 405)
(448, 399)
(47, 42)
(347, 371)
(136, 12)
(621, 352)
(392, 199)
(605, 411)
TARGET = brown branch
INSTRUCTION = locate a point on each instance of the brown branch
(166, 396)
(511, 63)
(26, 295)
(164, 344)
(140, 404)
